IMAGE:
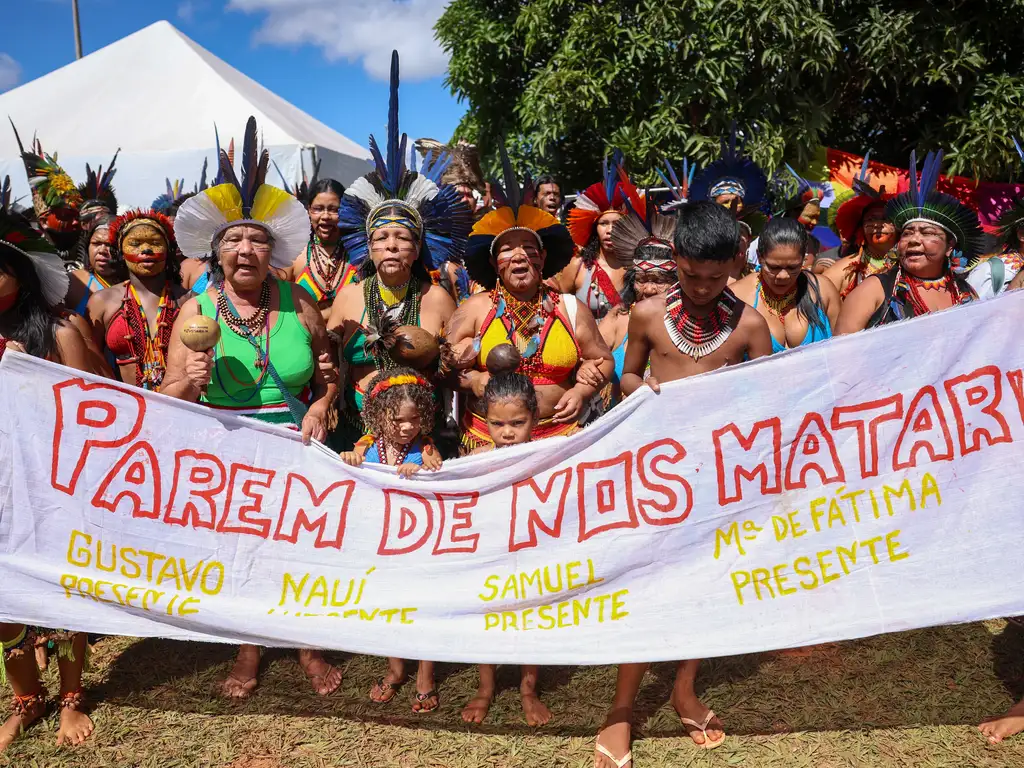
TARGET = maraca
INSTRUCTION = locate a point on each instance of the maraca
(200, 334)
(503, 359)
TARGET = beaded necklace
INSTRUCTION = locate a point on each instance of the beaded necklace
(780, 306)
(524, 321)
(325, 265)
(694, 336)
(148, 352)
(401, 452)
(244, 328)
(401, 303)
(910, 290)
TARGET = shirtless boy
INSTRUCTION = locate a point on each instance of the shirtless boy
(699, 326)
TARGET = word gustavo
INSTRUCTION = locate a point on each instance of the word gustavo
(973, 407)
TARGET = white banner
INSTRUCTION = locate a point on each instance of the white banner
(868, 484)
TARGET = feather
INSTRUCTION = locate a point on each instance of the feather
(915, 191)
(630, 193)
(219, 176)
(5, 194)
(249, 161)
(17, 138)
(231, 151)
(863, 175)
(394, 159)
(261, 170)
(511, 183)
(930, 172)
(284, 182)
(202, 177)
(1016, 144)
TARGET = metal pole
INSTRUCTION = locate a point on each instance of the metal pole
(78, 29)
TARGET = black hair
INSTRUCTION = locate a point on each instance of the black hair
(813, 244)
(706, 231)
(326, 185)
(783, 232)
(99, 220)
(510, 386)
(379, 409)
(31, 322)
(547, 178)
(588, 253)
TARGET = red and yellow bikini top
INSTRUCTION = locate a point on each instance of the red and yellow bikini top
(556, 357)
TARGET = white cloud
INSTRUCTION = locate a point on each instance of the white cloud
(187, 11)
(10, 72)
(357, 30)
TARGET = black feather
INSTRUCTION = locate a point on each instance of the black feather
(249, 163)
(512, 192)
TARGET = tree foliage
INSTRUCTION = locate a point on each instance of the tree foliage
(567, 81)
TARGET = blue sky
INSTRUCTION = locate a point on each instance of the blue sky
(327, 57)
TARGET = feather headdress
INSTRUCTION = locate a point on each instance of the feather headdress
(511, 215)
(598, 199)
(51, 187)
(733, 174)
(922, 202)
(246, 200)
(127, 220)
(792, 194)
(643, 237)
(678, 185)
(17, 234)
(846, 214)
(394, 194)
(464, 167)
(97, 192)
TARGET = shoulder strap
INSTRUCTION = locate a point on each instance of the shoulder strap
(571, 307)
(998, 269)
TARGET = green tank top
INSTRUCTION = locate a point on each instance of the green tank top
(238, 386)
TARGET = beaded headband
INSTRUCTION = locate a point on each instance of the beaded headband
(494, 242)
(727, 187)
(397, 381)
(412, 220)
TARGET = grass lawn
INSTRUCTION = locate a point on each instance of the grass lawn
(909, 699)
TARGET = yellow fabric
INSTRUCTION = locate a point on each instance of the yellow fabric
(227, 199)
(558, 347)
(268, 199)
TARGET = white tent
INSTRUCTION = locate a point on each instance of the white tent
(88, 109)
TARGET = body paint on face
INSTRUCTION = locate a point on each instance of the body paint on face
(144, 247)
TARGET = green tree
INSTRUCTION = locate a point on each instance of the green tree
(567, 81)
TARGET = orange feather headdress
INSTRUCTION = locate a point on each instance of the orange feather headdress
(599, 199)
(510, 216)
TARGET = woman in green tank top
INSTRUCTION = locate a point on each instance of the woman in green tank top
(272, 361)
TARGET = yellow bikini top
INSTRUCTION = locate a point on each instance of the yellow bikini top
(556, 357)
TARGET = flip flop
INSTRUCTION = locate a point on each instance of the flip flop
(245, 688)
(422, 697)
(619, 762)
(318, 681)
(703, 728)
(389, 689)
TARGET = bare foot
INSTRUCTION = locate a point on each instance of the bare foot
(42, 657)
(478, 707)
(534, 709)
(614, 737)
(1010, 724)
(711, 733)
(17, 723)
(241, 681)
(75, 727)
(325, 677)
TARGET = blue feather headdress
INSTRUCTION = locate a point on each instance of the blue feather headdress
(731, 174)
(396, 194)
(922, 202)
(679, 186)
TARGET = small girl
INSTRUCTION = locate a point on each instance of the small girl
(511, 412)
(399, 414)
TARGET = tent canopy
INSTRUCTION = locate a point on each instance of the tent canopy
(89, 108)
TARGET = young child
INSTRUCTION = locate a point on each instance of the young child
(698, 326)
(399, 414)
(511, 411)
